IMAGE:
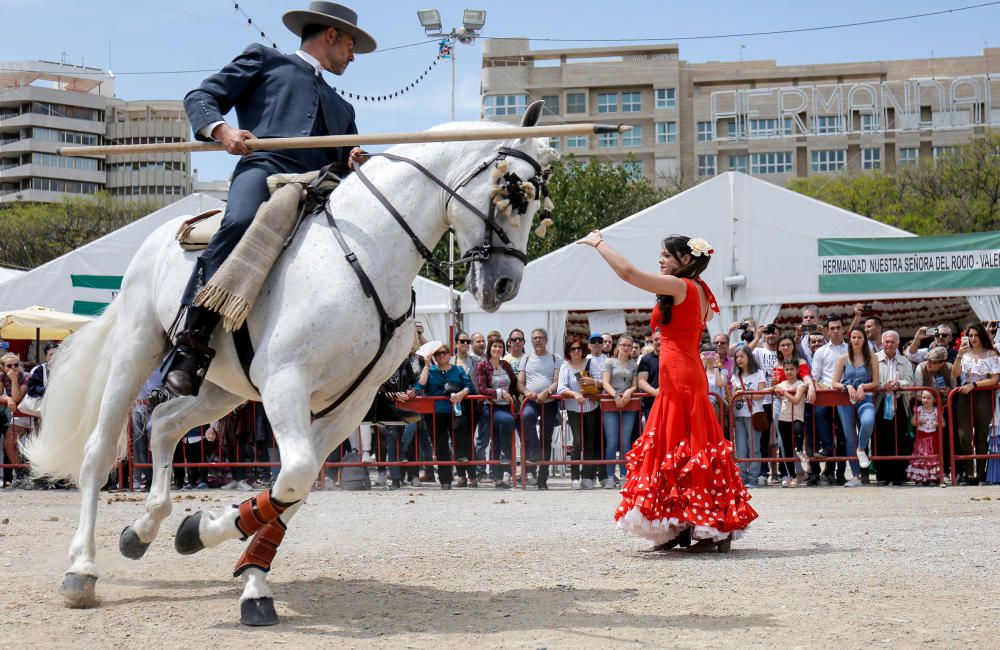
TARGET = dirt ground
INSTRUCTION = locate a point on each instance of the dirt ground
(422, 568)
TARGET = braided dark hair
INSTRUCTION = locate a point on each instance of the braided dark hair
(677, 245)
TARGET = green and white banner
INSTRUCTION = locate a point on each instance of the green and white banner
(909, 263)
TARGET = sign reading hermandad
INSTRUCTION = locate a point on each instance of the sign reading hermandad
(909, 263)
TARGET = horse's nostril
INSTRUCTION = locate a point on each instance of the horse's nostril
(504, 288)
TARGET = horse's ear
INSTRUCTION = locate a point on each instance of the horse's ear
(533, 113)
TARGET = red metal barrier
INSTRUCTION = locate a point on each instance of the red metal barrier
(833, 398)
(956, 393)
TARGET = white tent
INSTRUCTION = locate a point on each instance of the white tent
(766, 255)
(9, 274)
(85, 280)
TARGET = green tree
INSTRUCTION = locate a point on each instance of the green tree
(959, 192)
(34, 233)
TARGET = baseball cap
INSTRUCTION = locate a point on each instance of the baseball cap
(595, 337)
(937, 353)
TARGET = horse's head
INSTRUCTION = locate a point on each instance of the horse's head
(511, 181)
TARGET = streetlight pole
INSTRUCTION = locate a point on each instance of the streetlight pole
(473, 21)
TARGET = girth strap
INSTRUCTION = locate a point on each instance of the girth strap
(388, 325)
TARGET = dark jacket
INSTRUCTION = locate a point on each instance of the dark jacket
(275, 96)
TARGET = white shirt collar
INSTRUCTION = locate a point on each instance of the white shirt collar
(311, 60)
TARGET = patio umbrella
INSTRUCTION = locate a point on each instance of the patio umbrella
(39, 323)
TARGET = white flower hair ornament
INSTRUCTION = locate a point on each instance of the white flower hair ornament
(700, 247)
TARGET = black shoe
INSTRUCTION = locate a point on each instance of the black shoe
(185, 366)
(500, 485)
(394, 484)
(812, 481)
(883, 483)
(543, 484)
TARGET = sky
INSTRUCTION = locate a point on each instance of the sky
(161, 50)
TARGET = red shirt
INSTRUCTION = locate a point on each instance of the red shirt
(778, 374)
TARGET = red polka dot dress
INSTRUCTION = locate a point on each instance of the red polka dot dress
(681, 472)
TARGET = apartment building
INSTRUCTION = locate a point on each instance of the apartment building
(694, 120)
(46, 105)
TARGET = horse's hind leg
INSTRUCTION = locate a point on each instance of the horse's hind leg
(169, 422)
(130, 366)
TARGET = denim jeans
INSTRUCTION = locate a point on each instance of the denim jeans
(539, 449)
(860, 437)
(617, 434)
(747, 446)
(824, 427)
(140, 443)
(394, 449)
(500, 426)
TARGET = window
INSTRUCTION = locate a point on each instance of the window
(869, 123)
(829, 160)
(666, 132)
(607, 102)
(706, 131)
(735, 130)
(494, 105)
(738, 163)
(66, 162)
(908, 156)
(706, 164)
(631, 103)
(68, 137)
(770, 128)
(666, 98)
(632, 138)
(551, 105)
(576, 142)
(772, 162)
(633, 168)
(605, 140)
(871, 158)
(944, 151)
(555, 143)
(576, 102)
(55, 185)
(826, 124)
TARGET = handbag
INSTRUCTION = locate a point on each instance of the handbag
(589, 390)
(33, 405)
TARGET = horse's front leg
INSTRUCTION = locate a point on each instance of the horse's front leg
(169, 422)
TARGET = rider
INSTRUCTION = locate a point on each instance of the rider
(275, 95)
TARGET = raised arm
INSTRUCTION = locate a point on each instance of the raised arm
(666, 285)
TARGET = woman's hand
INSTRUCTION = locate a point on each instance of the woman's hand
(543, 396)
(530, 396)
(859, 394)
(578, 397)
(210, 434)
(593, 238)
(852, 393)
(811, 394)
(965, 389)
(9, 401)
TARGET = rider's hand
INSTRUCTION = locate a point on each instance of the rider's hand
(358, 156)
(232, 139)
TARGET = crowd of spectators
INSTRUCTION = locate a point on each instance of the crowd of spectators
(806, 406)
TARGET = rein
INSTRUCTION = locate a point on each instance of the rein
(389, 325)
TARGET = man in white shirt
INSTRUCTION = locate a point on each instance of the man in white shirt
(892, 410)
(824, 363)
(537, 381)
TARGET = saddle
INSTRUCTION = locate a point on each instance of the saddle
(195, 232)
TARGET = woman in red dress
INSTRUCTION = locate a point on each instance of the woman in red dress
(682, 482)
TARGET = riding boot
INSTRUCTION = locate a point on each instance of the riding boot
(185, 366)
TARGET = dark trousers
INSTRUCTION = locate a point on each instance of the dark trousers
(767, 439)
(189, 452)
(465, 434)
(539, 447)
(440, 425)
(791, 439)
(831, 435)
(586, 429)
(973, 413)
(247, 192)
(891, 440)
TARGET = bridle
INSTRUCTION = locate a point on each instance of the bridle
(512, 188)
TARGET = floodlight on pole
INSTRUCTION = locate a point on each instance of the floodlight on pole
(430, 19)
(473, 20)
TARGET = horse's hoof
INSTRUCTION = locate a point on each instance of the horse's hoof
(188, 539)
(258, 612)
(79, 590)
(130, 545)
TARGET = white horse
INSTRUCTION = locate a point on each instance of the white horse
(313, 330)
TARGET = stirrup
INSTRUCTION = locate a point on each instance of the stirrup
(185, 367)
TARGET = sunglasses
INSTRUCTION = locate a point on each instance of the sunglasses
(516, 340)
(12, 365)
(465, 340)
(576, 348)
(440, 353)
(942, 336)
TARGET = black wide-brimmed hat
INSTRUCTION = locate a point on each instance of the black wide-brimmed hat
(332, 15)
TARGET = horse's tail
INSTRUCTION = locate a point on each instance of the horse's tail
(72, 401)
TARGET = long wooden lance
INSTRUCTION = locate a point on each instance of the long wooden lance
(358, 139)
